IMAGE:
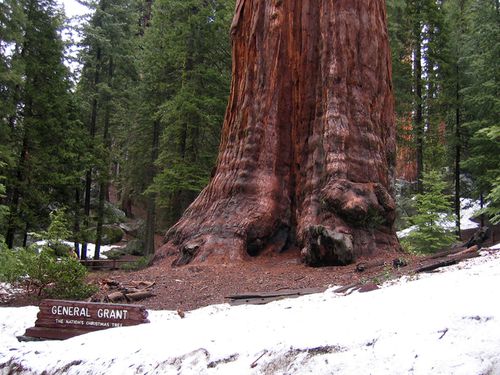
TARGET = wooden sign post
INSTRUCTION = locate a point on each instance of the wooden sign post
(60, 320)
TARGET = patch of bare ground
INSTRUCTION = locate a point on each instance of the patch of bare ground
(193, 286)
(197, 285)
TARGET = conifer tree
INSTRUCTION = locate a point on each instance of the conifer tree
(185, 70)
(425, 22)
(456, 78)
(11, 20)
(41, 126)
(402, 68)
(481, 97)
(108, 69)
(434, 210)
(192, 114)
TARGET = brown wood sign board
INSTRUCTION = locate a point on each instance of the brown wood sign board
(60, 320)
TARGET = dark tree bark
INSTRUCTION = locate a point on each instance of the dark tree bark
(458, 149)
(17, 194)
(308, 142)
(419, 118)
(92, 132)
(104, 173)
(76, 222)
(149, 240)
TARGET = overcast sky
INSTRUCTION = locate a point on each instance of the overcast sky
(73, 8)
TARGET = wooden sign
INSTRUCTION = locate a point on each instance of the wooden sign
(60, 320)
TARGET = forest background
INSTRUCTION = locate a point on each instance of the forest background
(140, 116)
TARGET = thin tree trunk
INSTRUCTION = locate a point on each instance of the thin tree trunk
(149, 242)
(76, 223)
(25, 235)
(481, 206)
(419, 123)
(16, 97)
(145, 19)
(104, 173)
(126, 202)
(100, 219)
(86, 209)
(13, 224)
(308, 142)
(457, 156)
(186, 75)
(23, 158)
(92, 132)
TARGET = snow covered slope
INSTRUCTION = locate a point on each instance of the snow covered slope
(442, 323)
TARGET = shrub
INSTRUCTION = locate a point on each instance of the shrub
(62, 250)
(139, 264)
(45, 275)
(47, 270)
(11, 265)
(493, 198)
(135, 247)
(115, 253)
(110, 234)
(434, 210)
(405, 205)
(55, 234)
(113, 214)
(68, 280)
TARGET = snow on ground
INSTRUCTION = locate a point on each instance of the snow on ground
(469, 208)
(90, 248)
(8, 291)
(102, 253)
(442, 323)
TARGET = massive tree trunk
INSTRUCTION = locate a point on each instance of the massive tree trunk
(308, 143)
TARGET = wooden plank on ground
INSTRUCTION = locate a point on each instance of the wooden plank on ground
(104, 264)
(449, 260)
(260, 298)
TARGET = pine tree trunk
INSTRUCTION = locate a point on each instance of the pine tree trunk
(100, 219)
(458, 144)
(76, 222)
(104, 173)
(20, 187)
(419, 118)
(308, 141)
(86, 209)
(149, 241)
(92, 132)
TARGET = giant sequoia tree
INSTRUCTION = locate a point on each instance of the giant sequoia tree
(308, 141)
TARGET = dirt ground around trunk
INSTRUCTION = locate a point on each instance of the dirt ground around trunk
(197, 285)
(193, 286)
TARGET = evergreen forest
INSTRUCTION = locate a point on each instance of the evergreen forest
(130, 110)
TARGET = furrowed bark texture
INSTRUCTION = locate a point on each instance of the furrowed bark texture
(308, 142)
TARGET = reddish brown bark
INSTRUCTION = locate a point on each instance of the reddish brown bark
(308, 142)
